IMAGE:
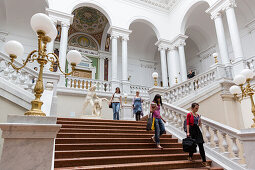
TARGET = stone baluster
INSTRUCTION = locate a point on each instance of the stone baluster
(6, 71)
(179, 121)
(171, 116)
(235, 149)
(208, 135)
(216, 140)
(22, 79)
(225, 144)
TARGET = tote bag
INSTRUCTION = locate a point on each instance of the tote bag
(149, 122)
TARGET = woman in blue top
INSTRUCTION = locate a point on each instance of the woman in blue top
(137, 106)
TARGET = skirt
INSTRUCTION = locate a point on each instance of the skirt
(196, 134)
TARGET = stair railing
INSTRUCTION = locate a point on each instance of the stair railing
(223, 143)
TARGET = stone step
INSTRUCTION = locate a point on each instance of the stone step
(114, 152)
(100, 146)
(101, 120)
(120, 159)
(112, 140)
(107, 135)
(102, 127)
(162, 165)
(99, 123)
(80, 130)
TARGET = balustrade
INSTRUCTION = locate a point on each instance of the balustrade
(142, 89)
(182, 90)
(81, 83)
(220, 138)
(24, 78)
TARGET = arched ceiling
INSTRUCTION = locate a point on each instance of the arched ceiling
(89, 20)
(200, 27)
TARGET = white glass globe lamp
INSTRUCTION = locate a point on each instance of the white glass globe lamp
(247, 73)
(239, 79)
(41, 22)
(235, 90)
(73, 57)
(14, 48)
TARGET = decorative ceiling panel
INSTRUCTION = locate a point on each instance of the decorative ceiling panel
(89, 20)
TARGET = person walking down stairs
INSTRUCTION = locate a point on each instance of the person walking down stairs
(193, 131)
(157, 124)
(116, 101)
(137, 106)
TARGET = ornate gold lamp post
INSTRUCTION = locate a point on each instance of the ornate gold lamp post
(46, 31)
(245, 77)
(215, 56)
(155, 77)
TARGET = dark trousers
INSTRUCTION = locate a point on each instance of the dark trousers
(138, 115)
(201, 150)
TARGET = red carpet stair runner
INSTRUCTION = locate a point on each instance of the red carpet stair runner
(121, 145)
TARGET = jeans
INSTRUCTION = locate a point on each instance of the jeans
(116, 111)
(201, 150)
(159, 129)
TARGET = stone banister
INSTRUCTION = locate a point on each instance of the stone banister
(224, 145)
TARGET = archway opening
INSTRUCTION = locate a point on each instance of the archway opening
(143, 56)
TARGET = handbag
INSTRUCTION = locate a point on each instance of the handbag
(149, 122)
(110, 105)
(189, 145)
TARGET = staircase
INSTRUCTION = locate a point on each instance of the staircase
(123, 145)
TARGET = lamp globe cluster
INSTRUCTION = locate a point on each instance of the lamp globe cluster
(41, 24)
(245, 76)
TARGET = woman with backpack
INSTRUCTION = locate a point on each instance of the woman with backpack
(193, 131)
(158, 120)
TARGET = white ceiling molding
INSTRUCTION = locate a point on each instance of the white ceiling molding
(164, 5)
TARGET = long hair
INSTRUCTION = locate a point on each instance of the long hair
(155, 100)
(117, 88)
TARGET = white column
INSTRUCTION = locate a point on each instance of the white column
(63, 45)
(50, 46)
(173, 66)
(182, 61)
(124, 59)
(101, 68)
(234, 32)
(221, 38)
(114, 58)
(163, 66)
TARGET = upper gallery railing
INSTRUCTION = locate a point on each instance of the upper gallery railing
(24, 78)
(83, 83)
(188, 87)
(142, 89)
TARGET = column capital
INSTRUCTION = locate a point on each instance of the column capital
(125, 38)
(216, 15)
(119, 32)
(178, 41)
(60, 17)
(220, 6)
(162, 44)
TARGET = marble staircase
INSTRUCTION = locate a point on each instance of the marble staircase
(108, 144)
